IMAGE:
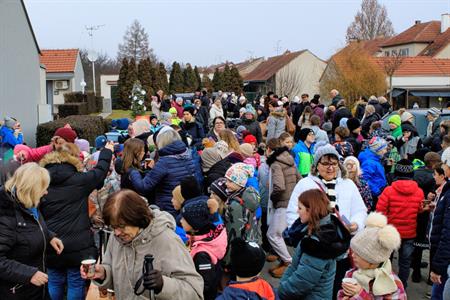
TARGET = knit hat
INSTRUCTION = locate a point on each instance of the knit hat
(83, 145)
(304, 133)
(321, 149)
(408, 127)
(100, 141)
(446, 157)
(396, 120)
(10, 122)
(353, 123)
(198, 214)
(343, 122)
(247, 258)
(296, 99)
(406, 116)
(246, 150)
(315, 99)
(377, 144)
(67, 134)
(404, 169)
(434, 112)
(239, 173)
(173, 110)
(176, 194)
(250, 139)
(219, 187)
(327, 126)
(153, 117)
(190, 109)
(250, 110)
(222, 148)
(376, 242)
(190, 188)
(240, 129)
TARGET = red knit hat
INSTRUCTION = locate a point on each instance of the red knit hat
(250, 139)
(68, 134)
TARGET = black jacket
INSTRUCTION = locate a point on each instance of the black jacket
(65, 208)
(254, 128)
(219, 169)
(23, 241)
(367, 122)
(202, 117)
(341, 112)
(195, 131)
(378, 108)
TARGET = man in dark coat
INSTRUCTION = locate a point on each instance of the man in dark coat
(341, 112)
(191, 127)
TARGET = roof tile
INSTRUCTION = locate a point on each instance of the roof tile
(418, 33)
(60, 60)
(442, 40)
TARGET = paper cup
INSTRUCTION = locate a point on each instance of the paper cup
(89, 267)
(349, 280)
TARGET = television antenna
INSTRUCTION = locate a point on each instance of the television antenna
(92, 54)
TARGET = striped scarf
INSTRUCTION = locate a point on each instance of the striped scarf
(330, 191)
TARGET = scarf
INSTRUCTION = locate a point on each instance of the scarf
(383, 283)
(430, 128)
(330, 191)
(397, 132)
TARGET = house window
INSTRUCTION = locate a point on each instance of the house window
(394, 52)
(386, 53)
(404, 52)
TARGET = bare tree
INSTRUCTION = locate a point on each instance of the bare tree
(391, 64)
(290, 81)
(135, 44)
(104, 65)
(370, 22)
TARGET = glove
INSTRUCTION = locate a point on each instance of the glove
(154, 281)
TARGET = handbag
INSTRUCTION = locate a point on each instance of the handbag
(290, 127)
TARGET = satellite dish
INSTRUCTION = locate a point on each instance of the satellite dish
(92, 56)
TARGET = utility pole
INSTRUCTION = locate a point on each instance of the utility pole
(278, 47)
(92, 55)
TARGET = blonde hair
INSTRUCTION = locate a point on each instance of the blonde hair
(370, 109)
(141, 126)
(28, 184)
(167, 137)
(228, 136)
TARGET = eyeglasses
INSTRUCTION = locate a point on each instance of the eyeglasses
(219, 123)
(333, 165)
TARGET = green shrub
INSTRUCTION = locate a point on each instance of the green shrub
(71, 109)
(87, 127)
(75, 97)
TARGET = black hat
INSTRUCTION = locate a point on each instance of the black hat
(408, 127)
(219, 187)
(197, 214)
(404, 169)
(304, 133)
(315, 99)
(190, 109)
(153, 117)
(353, 123)
(189, 188)
(247, 258)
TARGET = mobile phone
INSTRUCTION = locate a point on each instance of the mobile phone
(345, 220)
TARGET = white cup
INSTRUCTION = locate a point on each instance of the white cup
(89, 267)
(350, 280)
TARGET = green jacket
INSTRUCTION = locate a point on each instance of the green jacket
(303, 157)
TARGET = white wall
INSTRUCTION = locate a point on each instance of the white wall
(20, 81)
(105, 89)
(78, 76)
(444, 53)
(421, 82)
(414, 48)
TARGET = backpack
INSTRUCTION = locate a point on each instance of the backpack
(241, 218)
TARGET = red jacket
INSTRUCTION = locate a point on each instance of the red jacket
(400, 203)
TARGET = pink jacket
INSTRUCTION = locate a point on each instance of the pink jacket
(32, 154)
(216, 247)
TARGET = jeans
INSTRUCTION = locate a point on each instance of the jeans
(404, 260)
(57, 279)
(442, 291)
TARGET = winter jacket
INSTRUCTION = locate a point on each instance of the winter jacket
(254, 128)
(311, 274)
(409, 148)
(156, 108)
(373, 171)
(341, 112)
(360, 109)
(175, 163)
(424, 178)
(276, 124)
(166, 104)
(386, 108)
(254, 289)
(123, 262)
(354, 140)
(263, 180)
(440, 234)
(195, 130)
(367, 122)
(378, 108)
(215, 111)
(318, 111)
(7, 138)
(202, 117)
(220, 168)
(321, 135)
(400, 203)
(348, 199)
(23, 240)
(206, 252)
(179, 109)
(33, 154)
(284, 176)
(65, 207)
(336, 100)
(303, 157)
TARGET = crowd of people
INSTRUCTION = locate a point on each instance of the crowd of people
(193, 201)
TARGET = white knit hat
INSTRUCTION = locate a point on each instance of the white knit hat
(446, 157)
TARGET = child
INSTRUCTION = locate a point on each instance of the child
(343, 147)
(395, 126)
(373, 277)
(287, 140)
(247, 152)
(409, 142)
(401, 203)
(304, 151)
(208, 242)
(154, 124)
(372, 167)
(174, 120)
(247, 262)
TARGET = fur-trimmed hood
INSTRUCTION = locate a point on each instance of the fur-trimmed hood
(279, 113)
(61, 165)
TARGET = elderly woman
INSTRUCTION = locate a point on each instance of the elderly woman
(65, 209)
(219, 124)
(139, 231)
(174, 163)
(354, 171)
(216, 109)
(328, 175)
(370, 116)
(24, 235)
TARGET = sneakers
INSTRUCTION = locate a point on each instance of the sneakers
(272, 257)
(279, 271)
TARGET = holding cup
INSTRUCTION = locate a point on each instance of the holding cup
(349, 281)
(89, 267)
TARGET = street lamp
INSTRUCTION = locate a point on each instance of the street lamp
(83, 85)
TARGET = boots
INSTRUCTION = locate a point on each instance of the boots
(271, 257)
(279, 271)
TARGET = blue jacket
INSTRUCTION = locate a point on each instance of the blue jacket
(8, 140)
(255, 289)
(175, 163)
(373, 171)
(440, 234)
(303, 157)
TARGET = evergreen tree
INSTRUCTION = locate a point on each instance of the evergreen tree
(236, 80)
(217, 81)
(207, 83)
(132, 77)
(144, 76)
(227, 79)
(190, 80)
(164, 84)
(199, 79)
(122, 92)
(135, 44)
(137, 98)
(176, 84)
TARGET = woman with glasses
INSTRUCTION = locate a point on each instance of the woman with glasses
(219, 124)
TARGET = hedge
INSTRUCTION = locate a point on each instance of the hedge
(94, 103)
(70, 109)
(87, 127)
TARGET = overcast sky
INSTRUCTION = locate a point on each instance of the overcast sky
(205, 32)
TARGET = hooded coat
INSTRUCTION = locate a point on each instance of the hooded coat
(123, 262)
(303, 157)
(65, 207)
(33, 154)
(254, 289)
(195, 131)
(373, 171)
(23, 240)
(276, 124)
(254, 128)
(175, 163)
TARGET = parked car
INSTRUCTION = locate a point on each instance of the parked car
(420, 119)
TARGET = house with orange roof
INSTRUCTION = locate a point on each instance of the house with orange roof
(64, 73)
(22, 77)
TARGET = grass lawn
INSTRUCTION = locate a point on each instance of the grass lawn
(118, 114)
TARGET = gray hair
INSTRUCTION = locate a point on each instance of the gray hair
(167, 137)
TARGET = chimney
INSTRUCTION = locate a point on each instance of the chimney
(417, 22)
(445, 22)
